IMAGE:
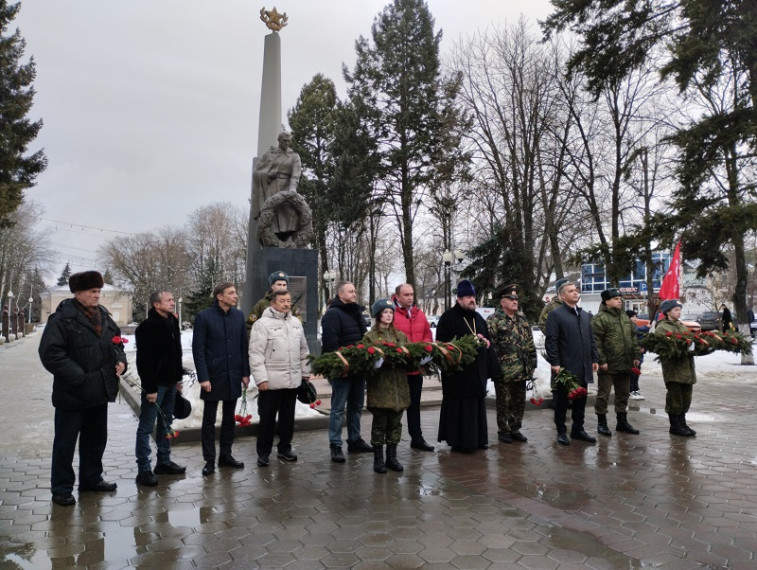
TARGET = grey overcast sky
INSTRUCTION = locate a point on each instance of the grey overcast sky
(150, 107)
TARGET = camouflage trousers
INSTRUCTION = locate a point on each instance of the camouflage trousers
(605, 383)
(511, 402)
(678, 398)
(387, 426)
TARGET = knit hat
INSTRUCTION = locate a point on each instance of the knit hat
(85, 281)
(380, 305)
(465, 289)
(666, 306)
(608, 294)
(631, 313)
(277, 276)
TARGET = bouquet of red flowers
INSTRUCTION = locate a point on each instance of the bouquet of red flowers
(678, 344)
(569, 382)
(243, 418)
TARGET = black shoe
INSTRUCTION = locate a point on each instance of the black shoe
(229, 461)
(169, 468)
(505, 438)
(210, 468)
(336, 454)
(287, 455)
(359, 446)
(562, 439)
(604, 430)
(421, 444)
(517, 436)
(99, 487)
(147, 478)
(262, 461)
(581, 435)
(64, 499)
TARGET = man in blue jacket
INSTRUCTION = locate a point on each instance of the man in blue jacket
(82, 348)
(342, 325)
(570, 344)
(219, 349)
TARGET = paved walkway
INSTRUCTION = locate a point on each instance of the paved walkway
(651, 500)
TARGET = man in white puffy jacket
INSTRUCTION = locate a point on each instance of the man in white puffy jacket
(278, 363)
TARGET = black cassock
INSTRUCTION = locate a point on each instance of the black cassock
(462, 421)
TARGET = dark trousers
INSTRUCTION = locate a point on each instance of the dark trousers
(621, 383)
(386, 427)
(209, 413)
(90, 427)
(678, 398)
(270, 403)
(415, 381)
(578, 409)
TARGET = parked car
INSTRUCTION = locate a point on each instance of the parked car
(709, 320)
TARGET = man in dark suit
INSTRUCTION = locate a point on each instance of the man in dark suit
(570, 344)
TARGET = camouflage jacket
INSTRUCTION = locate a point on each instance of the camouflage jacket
(616, 340)
(513, 343)
(548, 308)
(678, 370)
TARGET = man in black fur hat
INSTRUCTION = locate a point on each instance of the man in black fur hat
(82, 348)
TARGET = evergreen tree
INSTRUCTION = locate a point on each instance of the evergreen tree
(65, 274)
(18, 170)
(202, 296)
(108, 277)
(406, 108)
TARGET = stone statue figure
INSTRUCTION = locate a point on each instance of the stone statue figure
(284, 218)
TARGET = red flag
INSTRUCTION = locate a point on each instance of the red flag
(670, 288)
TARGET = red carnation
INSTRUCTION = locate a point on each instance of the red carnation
(371, 350)
(361, 346)
(668, 333)
(398, 350)
(428, 348)
(119, 340)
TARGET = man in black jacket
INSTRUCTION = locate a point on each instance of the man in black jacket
(83, 349)
(343, 325)
(570, 344)
(160, 371)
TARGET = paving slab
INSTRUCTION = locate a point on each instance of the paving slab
(652, 500)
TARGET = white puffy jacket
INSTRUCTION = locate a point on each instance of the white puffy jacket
(278, 350)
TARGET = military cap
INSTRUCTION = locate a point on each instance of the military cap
(277, 276)
(509, 292)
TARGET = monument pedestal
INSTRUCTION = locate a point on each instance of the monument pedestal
(302, 267)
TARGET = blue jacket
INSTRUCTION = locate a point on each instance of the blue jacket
(570, 342)
(219, 349)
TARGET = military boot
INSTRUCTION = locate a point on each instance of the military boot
(391, 458)
(602, 428)
(676, 426)
(623, 424)
(378, 459)
(683, 422)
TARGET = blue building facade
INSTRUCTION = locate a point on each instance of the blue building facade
(594, 278)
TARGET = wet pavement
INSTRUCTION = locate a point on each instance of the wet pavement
(652, 500)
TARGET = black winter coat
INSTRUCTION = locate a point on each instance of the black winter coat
(219, 348)
(158, 351)
(470, 382)
(343, 324)
(570, 343)
(83, 365)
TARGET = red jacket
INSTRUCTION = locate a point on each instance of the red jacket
(415, 327)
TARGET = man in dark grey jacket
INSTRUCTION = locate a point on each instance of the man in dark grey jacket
(570, 344)
(83, 349)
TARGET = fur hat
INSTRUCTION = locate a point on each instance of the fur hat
(509, 292)
(465, 289)
(277, 276)
(85, 281)
(181, 407)
(380, 305)
(608, 294)
(666, 306)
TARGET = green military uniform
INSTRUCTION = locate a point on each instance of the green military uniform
(678, 374)
(617, 347)
(548, 308)
(514, 346)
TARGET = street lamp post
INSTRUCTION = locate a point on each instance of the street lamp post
(180, 321)
(31, 300)
(330, 277)
(10, 314)
(447, 261)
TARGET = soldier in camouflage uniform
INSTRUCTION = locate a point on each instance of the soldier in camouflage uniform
(618, 352)
(514, 346)
(551, 306)
(278, 281)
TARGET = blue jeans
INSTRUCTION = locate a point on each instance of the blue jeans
(148, 414)
(349, 391)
